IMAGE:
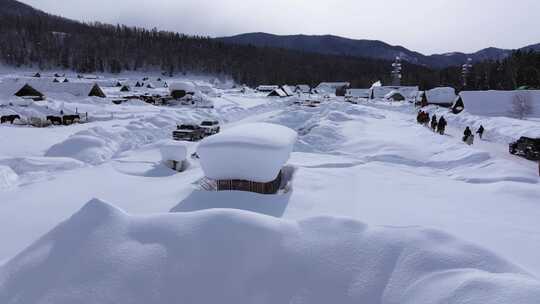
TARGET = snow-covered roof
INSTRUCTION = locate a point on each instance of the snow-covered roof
(176, 151)
(254, 152)
(78, 89)
(499, 103)
(9, 89)
(278, 92)
(442, 95)
(333, 85)
(47, 87)
(393, 95)
(182, 86)
(406, 91)
(304, 88)
(287, 90)
(267, 88)
(359, 93)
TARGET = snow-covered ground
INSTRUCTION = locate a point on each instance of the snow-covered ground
(371, 192)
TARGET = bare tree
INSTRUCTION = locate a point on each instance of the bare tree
(521, 105)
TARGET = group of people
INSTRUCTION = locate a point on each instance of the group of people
(468, 136)
(438, 126)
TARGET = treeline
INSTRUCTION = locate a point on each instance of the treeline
(49, 42)
(522, 69)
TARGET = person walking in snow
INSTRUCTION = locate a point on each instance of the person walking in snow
(434, 122)
(425, 122)
(441, 126)
(466, 134)
(480, 131)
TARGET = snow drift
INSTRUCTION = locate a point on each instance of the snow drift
(103, 255)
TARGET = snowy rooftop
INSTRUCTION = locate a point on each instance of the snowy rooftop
(379, 92)
(333, 85)
(278, 92)
(182, 86)
(499, 103)
(362, 93)
(254, 151)
(287, 90)
(442, 95)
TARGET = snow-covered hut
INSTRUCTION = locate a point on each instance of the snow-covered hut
(394, 96)
(442, 96)
(247, 157)
(267, 88)
(287, 90)
(277, 93)
(302, 88)
(181, 89)
(380, 92)
(499, 103)
(10, 89)
(355, 94)
(174, 155)
(337, 88)
(77, 89)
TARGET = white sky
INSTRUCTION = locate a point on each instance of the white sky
(427, 26)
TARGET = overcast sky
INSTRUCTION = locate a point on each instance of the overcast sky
(427, 26)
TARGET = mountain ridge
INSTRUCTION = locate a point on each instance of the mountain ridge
(336, 45)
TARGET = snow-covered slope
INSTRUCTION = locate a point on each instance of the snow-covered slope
(103, 255)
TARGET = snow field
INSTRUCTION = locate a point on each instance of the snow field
(103, 254)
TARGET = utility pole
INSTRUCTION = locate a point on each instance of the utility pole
(396, 72)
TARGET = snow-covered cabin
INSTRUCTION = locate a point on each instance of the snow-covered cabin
(10, 89)
(77, 89)
(380, 92)
(442, 96)
(267, 88)
(181, 89)
(355, 94)
(499, 103)
(394, 96)
(174, 155)
(302, 88)
(287, 90)
(337, 88)
(277, 93)
(247, 157)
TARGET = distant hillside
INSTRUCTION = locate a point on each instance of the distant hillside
(32, 38)
(335, 45)
(12, 7)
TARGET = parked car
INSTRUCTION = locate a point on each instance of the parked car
(189, 132)
(210, 127)
(526, 147)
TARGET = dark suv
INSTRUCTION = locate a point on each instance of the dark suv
(527, 147)
(190, 132)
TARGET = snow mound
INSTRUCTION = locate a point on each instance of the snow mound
(103, 255)
(25, 165)
(8, 178)
(86, 148)
(254, 151)
(173, 151)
